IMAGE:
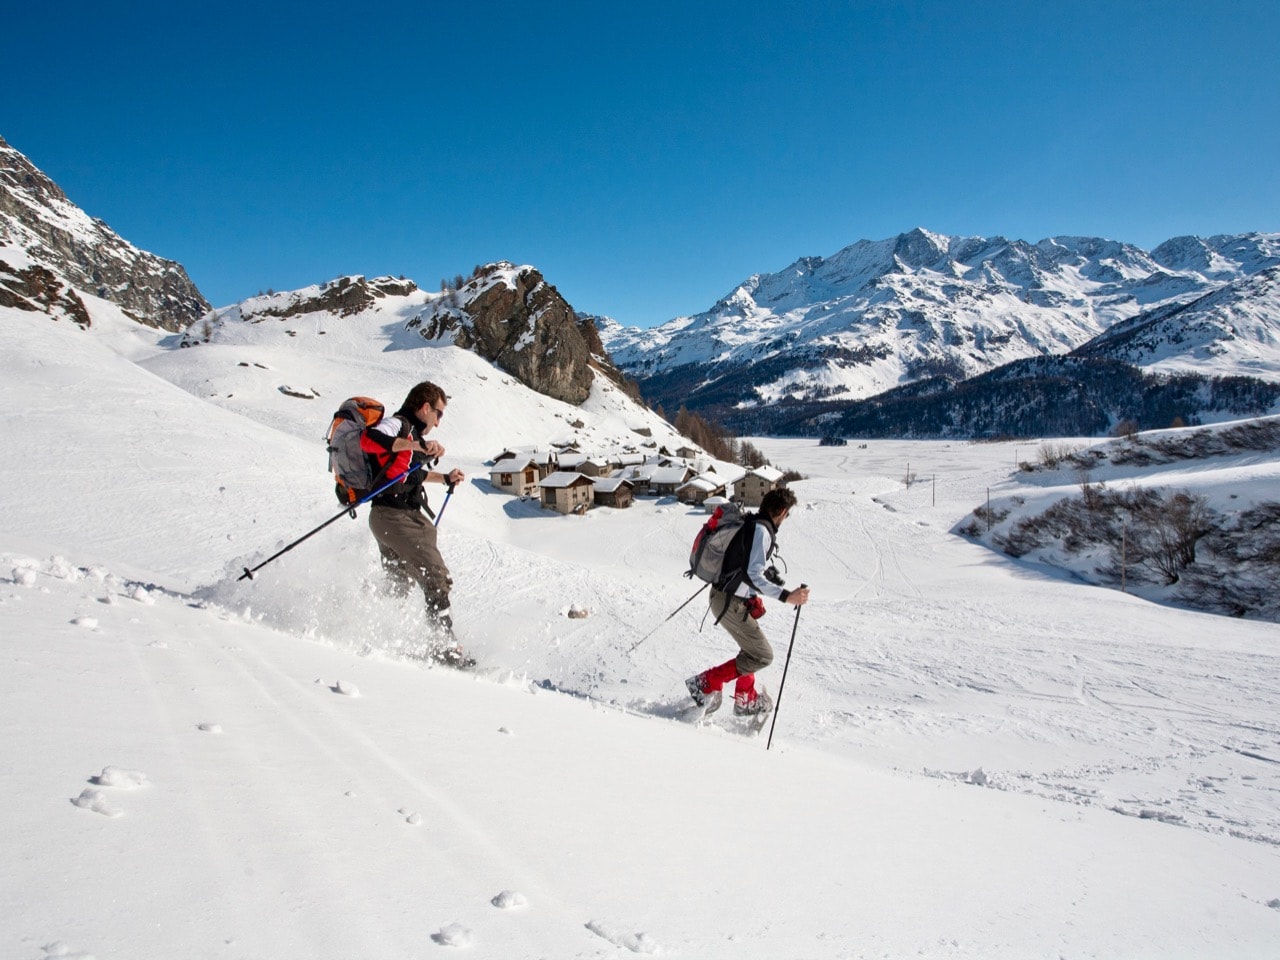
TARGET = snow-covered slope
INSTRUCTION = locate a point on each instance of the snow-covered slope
(1233, 331)
(973, 758)
(879, 314)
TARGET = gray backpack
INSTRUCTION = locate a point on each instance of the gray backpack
(353, 473)
(706, 559)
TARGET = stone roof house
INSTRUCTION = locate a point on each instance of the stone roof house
(613, 492)
(567, 492)
(751, 488)
(666, 480)
(517, 476)
(700, 487)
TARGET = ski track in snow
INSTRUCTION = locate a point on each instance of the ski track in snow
(987, 704)
(1034, 692)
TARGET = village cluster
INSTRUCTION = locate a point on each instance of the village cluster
(571, 482)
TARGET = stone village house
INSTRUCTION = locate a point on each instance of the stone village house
(567, 492)
(750, 489)
(613, 492)
(700, 487)
(517, 476)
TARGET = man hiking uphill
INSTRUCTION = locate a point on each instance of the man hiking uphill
(406, 537)
(737, 604)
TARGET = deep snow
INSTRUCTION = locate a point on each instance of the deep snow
(972, 757)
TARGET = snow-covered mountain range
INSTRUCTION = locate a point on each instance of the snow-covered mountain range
(880, 314)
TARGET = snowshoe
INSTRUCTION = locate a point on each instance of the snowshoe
(709, 702)
(752, 703)
(453, 656)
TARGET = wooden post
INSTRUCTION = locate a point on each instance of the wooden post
(1124, 554)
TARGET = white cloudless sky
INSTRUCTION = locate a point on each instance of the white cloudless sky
(648, 157)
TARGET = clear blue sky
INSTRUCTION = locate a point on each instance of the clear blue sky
(646, 157)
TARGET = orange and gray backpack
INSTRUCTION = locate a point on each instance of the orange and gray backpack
(353, 472)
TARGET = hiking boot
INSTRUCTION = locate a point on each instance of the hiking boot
(453, 656)
(751, 703)
(694, 686)
(710, 700)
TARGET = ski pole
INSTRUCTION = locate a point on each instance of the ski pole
(783, 682)
(447, 495)
(248, 573)
(669, 616)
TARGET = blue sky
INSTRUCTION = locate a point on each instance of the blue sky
(645, 157)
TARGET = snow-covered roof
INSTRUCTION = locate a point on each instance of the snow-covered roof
(670, 475)
(564, 478)
(704, 482)
(513, 465)
(643, 472)
(609, 484)
(516, 451)
(768, 474)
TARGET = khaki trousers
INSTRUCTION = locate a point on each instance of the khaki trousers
(407, 542)
(754, 650)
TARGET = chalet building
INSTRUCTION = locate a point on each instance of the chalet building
(700, 488)
(567, 492)
(544, 460)
(750, 490)
(517, 476)
(666, 480)
(688, 453)
(613, 492)
(571, 461)
(640, 477)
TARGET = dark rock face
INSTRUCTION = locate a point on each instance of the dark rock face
(512, 317)
(343, 297)
(35, 214)
(37, 288)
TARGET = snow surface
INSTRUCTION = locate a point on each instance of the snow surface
(972, 757)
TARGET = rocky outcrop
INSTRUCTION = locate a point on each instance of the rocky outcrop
(512, 317)
(343, 297)
(37, 216)
(36, 288)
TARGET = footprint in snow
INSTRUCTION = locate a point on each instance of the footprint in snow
(412, 818)
(96, 800)
(510, 900)
(63, 952)
(209, 727)
(453, 935)
(120, 777)
(89, 623)
(342, 687)
(635, 942)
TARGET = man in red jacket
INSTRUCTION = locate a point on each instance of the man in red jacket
(400, 516)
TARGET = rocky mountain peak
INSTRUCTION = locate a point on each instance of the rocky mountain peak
(343, 297)
(512, 317)
(85, 254)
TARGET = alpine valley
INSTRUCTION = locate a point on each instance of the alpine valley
(928, 335)
(977, 757)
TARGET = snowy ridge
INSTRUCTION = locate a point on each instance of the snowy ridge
(38, 218)
(878, 314)
(1233, 331)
